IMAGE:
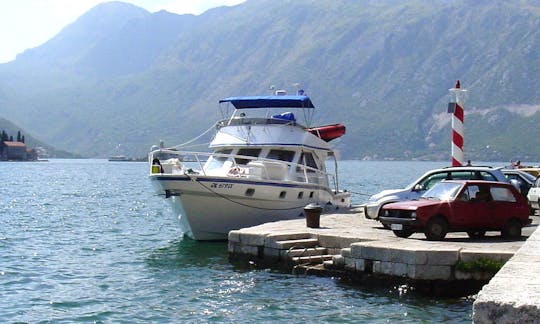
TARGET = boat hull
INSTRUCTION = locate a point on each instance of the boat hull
(209, 207)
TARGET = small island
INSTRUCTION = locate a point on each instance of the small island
(16, 150)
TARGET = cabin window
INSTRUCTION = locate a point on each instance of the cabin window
(311, 194)
(216, 162)
(300, 195)
(250, 192)
(281, 155)
(247, 152)
(282, 194)
(307, 159)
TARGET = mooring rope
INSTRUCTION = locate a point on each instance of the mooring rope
(196, 138)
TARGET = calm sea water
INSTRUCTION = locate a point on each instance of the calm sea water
(88, 241)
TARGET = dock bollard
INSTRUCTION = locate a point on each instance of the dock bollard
(313, 215)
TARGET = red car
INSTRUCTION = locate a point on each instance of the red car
(460, 206)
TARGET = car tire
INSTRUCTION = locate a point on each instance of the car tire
(404, 233)
(476, 234)
(512, 230)
(436, 228)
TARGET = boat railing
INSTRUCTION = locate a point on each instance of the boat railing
(173, 162)
(241, 121)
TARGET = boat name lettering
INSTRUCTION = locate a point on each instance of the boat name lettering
(221, 185)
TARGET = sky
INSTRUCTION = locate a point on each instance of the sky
(27, 24)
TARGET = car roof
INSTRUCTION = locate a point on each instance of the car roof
(493, 170)
(498, 183)
(520, 172)
(471, 167)
(466, 168)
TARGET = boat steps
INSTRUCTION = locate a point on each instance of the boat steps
(297, 244)
(289, 236)
(306, 252)
(314, 259)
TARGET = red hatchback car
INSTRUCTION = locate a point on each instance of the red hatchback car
(460, 206)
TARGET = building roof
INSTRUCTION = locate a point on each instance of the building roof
(14, 144)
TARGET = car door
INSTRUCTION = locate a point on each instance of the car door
(503, 205)
(471, 210)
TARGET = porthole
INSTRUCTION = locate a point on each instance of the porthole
(282, 194)
(250, 192)
(300, 195)
(311, 194)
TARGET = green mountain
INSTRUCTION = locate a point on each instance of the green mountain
(120, 79)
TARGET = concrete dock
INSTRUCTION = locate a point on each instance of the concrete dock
(513, 295)
(348, 244)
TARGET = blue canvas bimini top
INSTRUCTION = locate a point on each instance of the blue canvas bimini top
(269, 102)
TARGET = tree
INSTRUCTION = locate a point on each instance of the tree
(18, 136)
(4, 136)
(11, 138)
(22, 139)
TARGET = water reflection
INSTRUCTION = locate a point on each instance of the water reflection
(184, 253)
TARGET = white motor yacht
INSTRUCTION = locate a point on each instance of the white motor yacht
(264, 166)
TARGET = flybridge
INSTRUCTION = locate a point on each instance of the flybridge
(280, 101)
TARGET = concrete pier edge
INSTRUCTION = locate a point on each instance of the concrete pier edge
(513, 294)
(359, 249)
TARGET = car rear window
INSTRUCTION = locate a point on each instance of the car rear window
(502, 194)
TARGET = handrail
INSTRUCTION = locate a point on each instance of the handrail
(200, 162)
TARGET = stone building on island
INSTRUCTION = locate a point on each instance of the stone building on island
(16, 151)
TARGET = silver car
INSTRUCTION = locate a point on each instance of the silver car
(373, 208)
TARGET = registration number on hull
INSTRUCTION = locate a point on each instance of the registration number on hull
(215, 185)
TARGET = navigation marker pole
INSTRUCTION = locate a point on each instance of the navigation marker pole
(456, 109)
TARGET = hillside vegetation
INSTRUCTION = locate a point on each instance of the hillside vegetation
(120, 79)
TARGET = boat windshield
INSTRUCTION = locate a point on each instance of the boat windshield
(216, 161)
(443, 191)
(282, 155)
(247, 152)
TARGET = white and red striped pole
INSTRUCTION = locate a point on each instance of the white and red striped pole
(456, 108)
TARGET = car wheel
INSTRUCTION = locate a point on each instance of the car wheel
(512, 229)
(404, 233)
(476, 234)
(436, 229)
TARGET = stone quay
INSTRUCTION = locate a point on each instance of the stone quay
(347, 245)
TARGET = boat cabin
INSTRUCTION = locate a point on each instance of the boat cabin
(267, 162)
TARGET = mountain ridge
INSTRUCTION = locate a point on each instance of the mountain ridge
(382, 66)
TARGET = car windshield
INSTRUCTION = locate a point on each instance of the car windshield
(443, 191)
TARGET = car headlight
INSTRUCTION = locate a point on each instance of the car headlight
(413, 214)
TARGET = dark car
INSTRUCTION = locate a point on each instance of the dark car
(523, 181)
(460, 206)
